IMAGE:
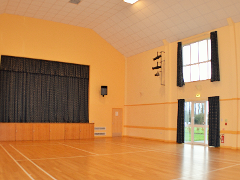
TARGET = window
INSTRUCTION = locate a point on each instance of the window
(197, 61)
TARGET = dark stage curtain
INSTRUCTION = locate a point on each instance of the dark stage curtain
(34, 90)
(214, 121)
(180, 121)
(180, 80)
(215, 74)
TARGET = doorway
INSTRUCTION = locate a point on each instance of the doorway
(196, 122)
(117, 116)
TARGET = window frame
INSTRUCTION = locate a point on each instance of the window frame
(198, 63)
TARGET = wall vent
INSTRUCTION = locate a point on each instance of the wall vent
(99, 134)
(99, 128)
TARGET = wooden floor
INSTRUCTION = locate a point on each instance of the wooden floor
(115, 159)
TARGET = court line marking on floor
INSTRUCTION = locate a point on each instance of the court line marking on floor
(51, 144)
(132, 146)
(17, 163)
(69, 157)
(35, 144)
(138, 147)
(91, 142)
(221, 169)
(126, 145)
(172, 153)
(33, 163)
(56, 142)
(123, 153)
(94, 154)
(89, 155)
(79, 149)
(191, 176)
(142, 148)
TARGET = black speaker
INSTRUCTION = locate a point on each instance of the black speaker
(103, 90)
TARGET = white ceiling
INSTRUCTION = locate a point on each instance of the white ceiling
(136, 28)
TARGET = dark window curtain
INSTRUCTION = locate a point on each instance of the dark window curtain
(180, 80)
(180, 121)
(215, 74)
(214, 121)
(34, 90)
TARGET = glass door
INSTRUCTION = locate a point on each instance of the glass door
(196, 122)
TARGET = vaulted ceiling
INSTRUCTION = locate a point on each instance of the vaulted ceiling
(136, 28)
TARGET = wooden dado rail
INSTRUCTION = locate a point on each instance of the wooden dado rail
(45, 131)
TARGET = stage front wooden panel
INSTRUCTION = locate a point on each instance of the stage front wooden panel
(57, 131)
(86, 131)
(24, 131)
(45, 131)
(72, 131)
(91, 130)
(7, 132)
(41, 131)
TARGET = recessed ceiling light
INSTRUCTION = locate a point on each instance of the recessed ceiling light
(130, 1)
(75, 1)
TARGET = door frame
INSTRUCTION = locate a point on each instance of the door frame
(192, 125)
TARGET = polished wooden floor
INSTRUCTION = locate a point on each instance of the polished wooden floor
(116, 159)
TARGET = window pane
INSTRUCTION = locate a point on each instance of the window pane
(199, 113)
(209, 49)
(187, 113)
(194, 53)
(207, 113)
(199, 134)
(203, 71)
(209, 70)
(187, 121)
(194, 73)
(187, 135)
(203, 56)
(186, 55)
(186, 73)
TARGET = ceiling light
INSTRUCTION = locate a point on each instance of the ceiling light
(130, 1)
(75, 1)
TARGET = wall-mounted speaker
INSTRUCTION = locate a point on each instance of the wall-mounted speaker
(103, 90)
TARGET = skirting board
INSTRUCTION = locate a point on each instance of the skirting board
(161, 140)
(96, 137)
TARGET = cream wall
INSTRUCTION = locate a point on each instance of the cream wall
(34, 38)
(151, 109)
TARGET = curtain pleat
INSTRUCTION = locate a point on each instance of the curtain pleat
(215, 74)
(180, 80)
(38, 91)
(180, 121)
(214, 121)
